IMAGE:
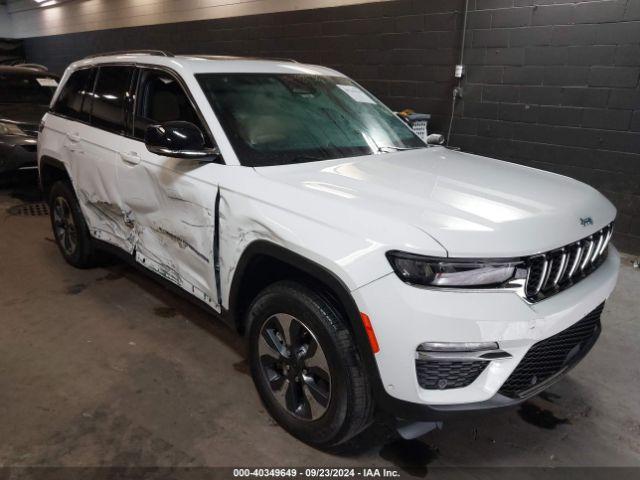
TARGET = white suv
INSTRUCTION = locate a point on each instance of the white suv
(372, 274)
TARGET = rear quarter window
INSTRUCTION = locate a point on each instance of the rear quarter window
(75, 94)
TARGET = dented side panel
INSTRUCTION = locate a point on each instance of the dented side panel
(327, 231)
(172, 203)
(160, 210)
(92, 161)
(244, 220)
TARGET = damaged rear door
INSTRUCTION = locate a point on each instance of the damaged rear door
(172, 201)
(97, 155)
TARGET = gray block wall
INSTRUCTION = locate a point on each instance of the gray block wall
(554, 85)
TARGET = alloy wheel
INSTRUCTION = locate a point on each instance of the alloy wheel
(295, 367)
(64, 226)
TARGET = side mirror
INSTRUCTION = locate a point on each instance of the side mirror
(435, 139)
(178, 140)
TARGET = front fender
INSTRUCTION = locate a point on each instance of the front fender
(344, 250)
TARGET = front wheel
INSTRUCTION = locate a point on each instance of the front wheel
(306, 367)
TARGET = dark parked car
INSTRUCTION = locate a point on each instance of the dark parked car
(25, 93)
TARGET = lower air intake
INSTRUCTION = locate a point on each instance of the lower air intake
(443, 375)
(554, 356)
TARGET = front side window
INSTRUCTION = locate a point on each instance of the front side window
(75, 93)
(110, 97)
(161, 99)
(277, 119)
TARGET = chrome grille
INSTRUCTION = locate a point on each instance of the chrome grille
(554, 271)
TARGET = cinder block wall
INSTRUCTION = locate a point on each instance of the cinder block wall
(554, 84)
(550, 83)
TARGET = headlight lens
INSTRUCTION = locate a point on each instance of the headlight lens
(7, 128)
(461, 273)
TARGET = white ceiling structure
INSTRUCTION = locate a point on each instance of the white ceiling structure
(32, 18)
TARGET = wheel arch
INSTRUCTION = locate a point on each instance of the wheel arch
(51, 170)
(271, 257)
(263, 263)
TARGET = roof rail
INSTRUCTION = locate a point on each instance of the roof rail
(276, 59)
(233, 57)
(159, 53)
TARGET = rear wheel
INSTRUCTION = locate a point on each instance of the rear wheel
(69, 227)
(306, 367)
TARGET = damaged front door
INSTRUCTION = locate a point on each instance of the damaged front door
(172, 201)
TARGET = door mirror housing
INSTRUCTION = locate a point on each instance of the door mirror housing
(435, 139)
(178, 139)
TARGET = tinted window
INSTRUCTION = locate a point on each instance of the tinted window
(87, 103)
(162, 99)
(110, 97)
(75, 92)
(16, 88)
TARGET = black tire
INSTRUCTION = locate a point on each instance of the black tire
(76, 248)
(348, 410)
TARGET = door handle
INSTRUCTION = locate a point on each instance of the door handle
(73, 137)
(132, 158)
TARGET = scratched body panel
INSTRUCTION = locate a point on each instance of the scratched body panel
(92, 163)
(172, 202)
(92, 166)
(327, 231)
(161, 209)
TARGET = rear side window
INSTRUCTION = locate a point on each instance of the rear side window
(161, 99)
(110, 97)
(75, 93)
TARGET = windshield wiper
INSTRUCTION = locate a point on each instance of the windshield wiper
(395, 149)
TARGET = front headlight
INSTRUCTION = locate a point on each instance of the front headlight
(7, 128)
(455, 273)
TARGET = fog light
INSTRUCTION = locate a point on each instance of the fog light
(457, 346)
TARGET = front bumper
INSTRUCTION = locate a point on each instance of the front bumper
(404, 316)
(17, 152)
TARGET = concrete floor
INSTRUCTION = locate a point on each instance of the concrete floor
(105, 367)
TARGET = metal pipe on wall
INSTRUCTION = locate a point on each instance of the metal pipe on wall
(458, 89)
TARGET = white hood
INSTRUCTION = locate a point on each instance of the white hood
(473, 206)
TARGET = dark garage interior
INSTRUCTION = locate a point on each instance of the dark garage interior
(104, 367)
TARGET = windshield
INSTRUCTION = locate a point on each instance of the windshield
(278, 119)
(26, 89)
